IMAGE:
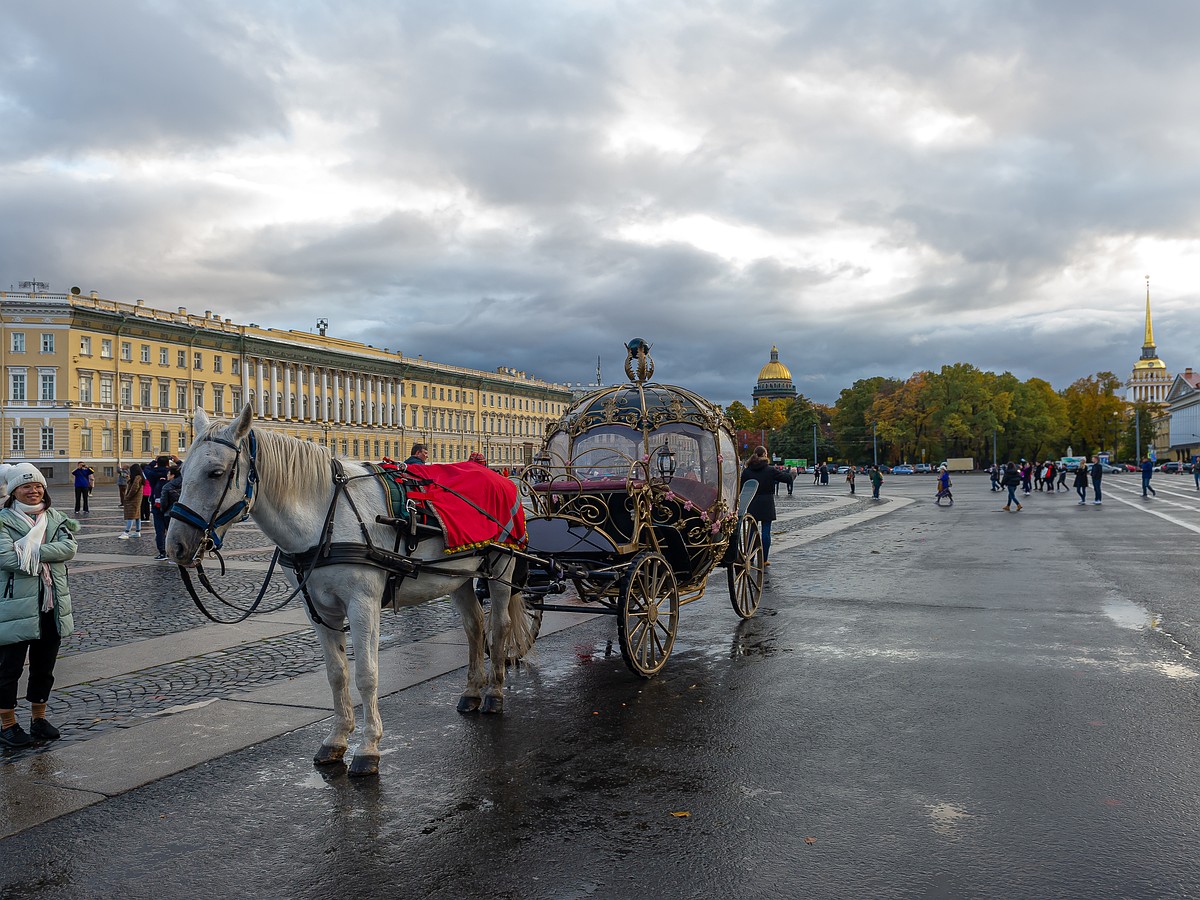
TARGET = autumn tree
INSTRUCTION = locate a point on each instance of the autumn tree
(1094, 411)
(738, 415)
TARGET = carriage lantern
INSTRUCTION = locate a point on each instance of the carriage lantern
(666, 462)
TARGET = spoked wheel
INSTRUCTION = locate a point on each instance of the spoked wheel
(745, 570)
(514, 654)
(647, 614)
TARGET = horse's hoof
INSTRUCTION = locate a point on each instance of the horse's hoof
(492, 704)
(328, 756)
(363, 766)
(468, 704)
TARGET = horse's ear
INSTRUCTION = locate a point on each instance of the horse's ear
(200, 422)
(241, 425)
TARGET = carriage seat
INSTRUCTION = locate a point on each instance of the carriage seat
(701, 494)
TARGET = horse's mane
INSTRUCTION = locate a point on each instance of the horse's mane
(287, 465)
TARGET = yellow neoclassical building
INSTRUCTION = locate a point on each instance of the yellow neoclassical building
(109, 382)
(1149, 382)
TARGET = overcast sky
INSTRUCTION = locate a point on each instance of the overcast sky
(877, 188)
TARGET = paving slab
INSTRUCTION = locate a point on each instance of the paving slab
(124, 759)
(25, 802)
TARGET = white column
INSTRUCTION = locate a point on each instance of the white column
(258, 388)
(369, 385)
(245, 385)
(327, 394)
(274, 381)
(391, 402)
(313, 412)
(287, 390)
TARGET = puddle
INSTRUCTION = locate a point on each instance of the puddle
(948, 819)
(1127, 614)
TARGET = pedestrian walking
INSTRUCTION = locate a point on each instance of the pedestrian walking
(824, 474)
(1026, 477)
(762, 505)
(144, 510)
(1037, 476)
(995, 472)
(850, 479)
(1097, 474)
(1196, 473)
(1012, 480)
(1062, 477)
(943, 491)
(131, 504)
(1147, 474)
(36, 541)
(84, 481)
(122, 482)
(1048, 478)
(1081, 483)
(156, 475)
(876, 482)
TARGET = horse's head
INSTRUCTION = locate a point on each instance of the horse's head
(217, 486)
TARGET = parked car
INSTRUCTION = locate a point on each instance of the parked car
(923, 468)
(1171, 468)
(903, 470)
(886, 470)
(842, 470)
(1109, 469)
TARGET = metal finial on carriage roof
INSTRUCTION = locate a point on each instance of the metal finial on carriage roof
(639, 350)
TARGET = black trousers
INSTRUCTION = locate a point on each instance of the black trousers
(42, 654)
(81, 494)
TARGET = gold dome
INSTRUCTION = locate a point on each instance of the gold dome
(774, 370)
(1153, 363)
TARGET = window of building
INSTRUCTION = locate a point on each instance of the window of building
(146, 442)
(18, 440)
(17, 342)
(145, 390)
(197, 361)
(105, 348)
(218, 399)
(164, 442)
(145, 353)
(425, 391)
(126, 441)
(164, 395)
(182, 444)
(235, 366)
(127, 393)
(47, 380)
(164, 356)
(106, 391)
(85, 389)
(181, 359)
(235, 399)
(47, 439)
(181, 397)
(345, 447)
(356, 448)
(199, 397)
(216, 364)
(47, 342)
(85, 440)
(126, 351)
(85, 345)
(16, 385)
(106, 440)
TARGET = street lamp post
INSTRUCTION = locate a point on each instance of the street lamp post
(874, 447)
(814, 459)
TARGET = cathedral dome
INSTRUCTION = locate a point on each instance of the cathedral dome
(774, 381)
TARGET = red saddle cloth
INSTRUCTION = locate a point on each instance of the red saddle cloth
(475, 505)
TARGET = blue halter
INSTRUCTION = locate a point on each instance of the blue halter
(239, 512)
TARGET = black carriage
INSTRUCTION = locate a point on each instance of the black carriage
(634, 501)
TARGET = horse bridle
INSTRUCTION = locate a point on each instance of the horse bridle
(238, 512)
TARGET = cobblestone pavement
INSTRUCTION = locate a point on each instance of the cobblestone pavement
(121, 595)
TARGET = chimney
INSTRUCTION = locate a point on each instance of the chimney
(141, 303)
(183, 310)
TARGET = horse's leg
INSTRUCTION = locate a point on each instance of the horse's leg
(472, 620)
(364, 612)
(333, 648)
(493, 698)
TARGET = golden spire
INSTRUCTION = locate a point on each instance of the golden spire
(1149, 342)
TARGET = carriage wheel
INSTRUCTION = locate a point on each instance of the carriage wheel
(515, 654)
(647, 613)
(745, 571)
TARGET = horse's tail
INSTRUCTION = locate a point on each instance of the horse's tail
(521, 633)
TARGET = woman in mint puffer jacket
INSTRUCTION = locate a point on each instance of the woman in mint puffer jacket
(36, 541)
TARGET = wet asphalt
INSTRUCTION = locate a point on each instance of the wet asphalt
(941, 702)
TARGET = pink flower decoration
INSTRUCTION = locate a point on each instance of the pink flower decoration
(720, 458)
(646, 458)
(716, 527)
(688, 506)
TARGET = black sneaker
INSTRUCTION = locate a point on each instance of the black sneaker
(43, 730)
(14, 736)
(161, 556)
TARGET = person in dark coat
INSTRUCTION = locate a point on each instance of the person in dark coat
(419, 455)
(1081, 482)
(156, 475)
(762, 507)
(1012, 480)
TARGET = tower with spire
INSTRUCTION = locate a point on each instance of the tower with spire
(1150, 381)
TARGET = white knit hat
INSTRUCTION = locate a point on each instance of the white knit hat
(23, 473)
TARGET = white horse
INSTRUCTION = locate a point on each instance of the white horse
(295, 498)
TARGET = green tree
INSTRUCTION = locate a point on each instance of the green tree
(1042, 423)
(853, 416)
(738, 414)
(1139, 422)
(1095, 412)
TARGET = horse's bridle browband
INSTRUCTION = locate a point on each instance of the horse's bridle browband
(239, 512)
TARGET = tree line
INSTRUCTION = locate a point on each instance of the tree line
(957, 411)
